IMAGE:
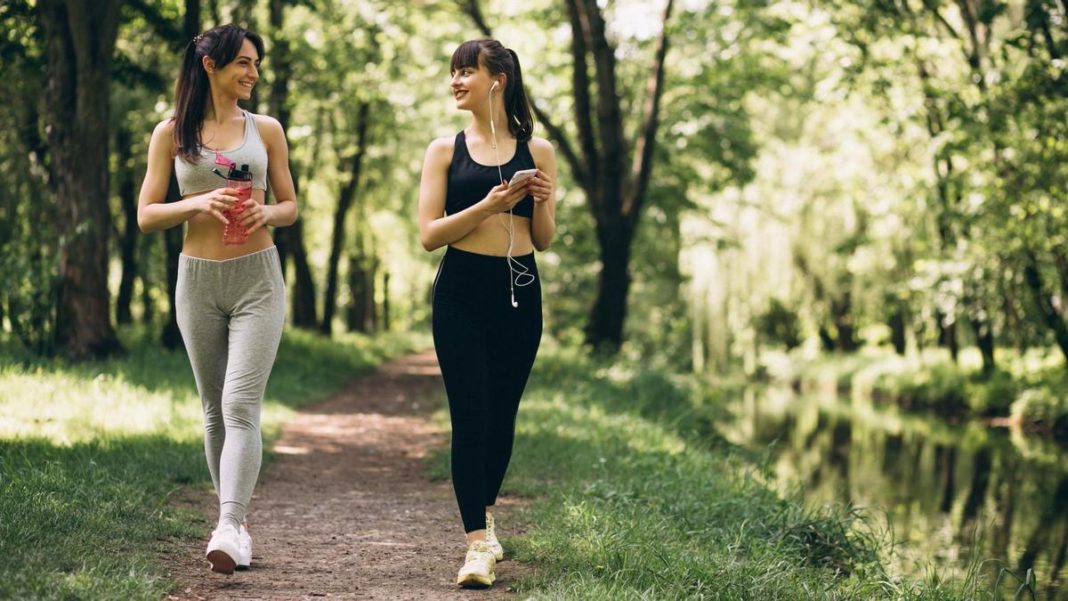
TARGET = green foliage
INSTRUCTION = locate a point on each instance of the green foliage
(28, 237)
(937, 388)
(991, 395)
(948, 390)
(1042, 402)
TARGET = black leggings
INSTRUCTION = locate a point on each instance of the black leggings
(486, 348)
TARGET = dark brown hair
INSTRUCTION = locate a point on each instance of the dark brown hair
(222, 44)
(497, 59)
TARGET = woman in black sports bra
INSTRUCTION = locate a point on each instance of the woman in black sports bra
(487, 296)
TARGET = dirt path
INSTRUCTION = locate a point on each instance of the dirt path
(346, 511)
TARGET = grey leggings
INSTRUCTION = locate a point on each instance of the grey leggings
(231, 315)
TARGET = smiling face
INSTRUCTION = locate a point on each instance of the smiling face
(471, 85)
(239, 76)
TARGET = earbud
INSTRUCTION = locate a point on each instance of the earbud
(495, 85)
(515, 304)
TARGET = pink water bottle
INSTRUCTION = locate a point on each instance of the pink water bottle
(240, 180)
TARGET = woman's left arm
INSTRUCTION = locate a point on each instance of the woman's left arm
(543, 188)
(284, 210)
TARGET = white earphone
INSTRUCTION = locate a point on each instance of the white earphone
(516, 270)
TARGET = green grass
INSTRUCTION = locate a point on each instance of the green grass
(90, 455)
(633, 496)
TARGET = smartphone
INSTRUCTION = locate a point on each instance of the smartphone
(521, 176)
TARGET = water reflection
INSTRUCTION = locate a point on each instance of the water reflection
(952, 492)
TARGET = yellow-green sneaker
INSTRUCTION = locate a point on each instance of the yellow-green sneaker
(491, 538)
(477, 571)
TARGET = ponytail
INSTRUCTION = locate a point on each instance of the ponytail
(520, 117)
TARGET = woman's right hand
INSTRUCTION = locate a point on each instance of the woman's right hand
(501, 198)
(215, 202)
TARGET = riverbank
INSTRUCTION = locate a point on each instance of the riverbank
(631, 493)
(1028, 391)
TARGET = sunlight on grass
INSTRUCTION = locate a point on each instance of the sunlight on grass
(153, 392)
(91, 453)
(63, 408)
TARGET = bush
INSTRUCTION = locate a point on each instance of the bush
(780, 325)
(940, 388)
(1045, 408)
(991, 396)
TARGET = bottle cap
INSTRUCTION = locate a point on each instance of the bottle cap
(242, 174)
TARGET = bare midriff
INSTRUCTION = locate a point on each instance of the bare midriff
(491, 237)
(204, 237)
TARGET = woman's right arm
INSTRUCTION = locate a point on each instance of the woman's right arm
(436, 229)
(153, 212)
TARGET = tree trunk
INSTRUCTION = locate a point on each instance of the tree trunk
(344, 203)
(984, 339)
(171, 336)
(947, 335)
(605, 327)
(130, 233)
(290, 240)
(385, 302)
(357, 312)
(827, 341)
(80, 39)
(304, 285)
(1049, 313)
(897, 325)
(842, 314)
(148, 306)
(372, 305)
(1013, 320)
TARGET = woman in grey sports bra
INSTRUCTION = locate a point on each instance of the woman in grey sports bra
(230, 299)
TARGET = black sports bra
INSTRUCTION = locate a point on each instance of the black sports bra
(469, 182)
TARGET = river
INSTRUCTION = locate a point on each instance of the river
(951, 494)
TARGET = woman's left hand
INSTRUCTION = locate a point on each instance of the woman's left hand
(541, 187)
(254, 216)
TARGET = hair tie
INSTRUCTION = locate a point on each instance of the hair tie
(197, 38)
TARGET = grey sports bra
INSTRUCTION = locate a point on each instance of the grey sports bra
(197, 177)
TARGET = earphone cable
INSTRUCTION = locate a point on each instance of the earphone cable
(516, 270)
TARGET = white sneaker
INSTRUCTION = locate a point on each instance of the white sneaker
(224, 549)
(477, 571)
(244, 548)
(491, 538)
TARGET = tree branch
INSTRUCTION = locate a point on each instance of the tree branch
(974, 56)
(473, 10)
(555, 133)
(580, 84)
(609, 113)
(643, 152)
(933, 9)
